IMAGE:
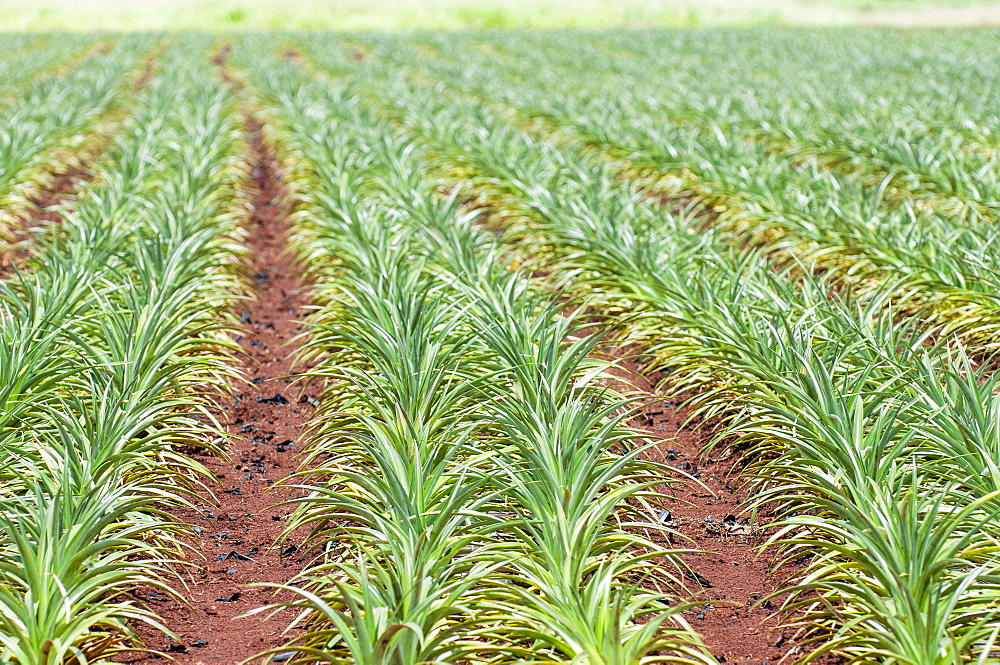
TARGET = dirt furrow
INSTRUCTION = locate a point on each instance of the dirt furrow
(58, 188)
(237, 531)
(40, 211)
(730, 579)
(729, 575)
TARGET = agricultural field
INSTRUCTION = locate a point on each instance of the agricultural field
(590, 347)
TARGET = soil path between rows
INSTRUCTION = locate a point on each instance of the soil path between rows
(42, 210)
(728, 574)
(238, 543)
(730, 579)
(61, 185)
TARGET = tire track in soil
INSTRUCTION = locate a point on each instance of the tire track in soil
(237, 531)
(736, 572)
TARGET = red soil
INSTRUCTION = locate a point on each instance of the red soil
(730, 574)
(60, 186)
(267, 416)
(39, 212)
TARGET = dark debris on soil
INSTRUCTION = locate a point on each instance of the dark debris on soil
(238, 533)
(730, 578)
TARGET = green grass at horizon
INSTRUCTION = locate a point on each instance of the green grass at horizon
(348, 15)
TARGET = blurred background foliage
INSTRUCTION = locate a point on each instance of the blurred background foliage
(221, 15)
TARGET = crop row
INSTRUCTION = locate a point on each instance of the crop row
(472, 484)
(27, 57)
(51, 123)
(908, 119)
(479, 216)
(111, 349)
(943, 263)
(873, 442)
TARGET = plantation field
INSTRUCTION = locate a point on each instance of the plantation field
(604, 348)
